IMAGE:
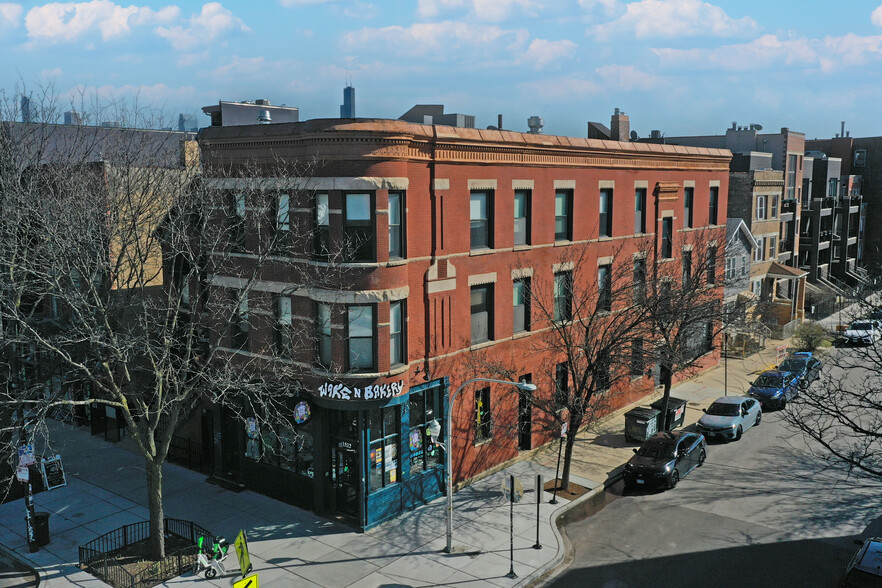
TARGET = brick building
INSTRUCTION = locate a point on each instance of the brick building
(446, 230)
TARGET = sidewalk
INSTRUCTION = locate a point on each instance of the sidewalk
(293, 547)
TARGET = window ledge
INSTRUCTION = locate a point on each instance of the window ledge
(521, 334)
(398, 369)
(396, 262)
(563, 243)
(481, 345)
(485, 251)
(522, 247)
(483, 441)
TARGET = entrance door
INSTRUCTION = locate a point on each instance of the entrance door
(207, 457)
(232, 431)
(344, 463)
(525, 417)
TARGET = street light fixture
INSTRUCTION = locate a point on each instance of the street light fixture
(435, 429)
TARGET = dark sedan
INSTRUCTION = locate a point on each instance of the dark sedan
(664, 458)
(804, 366)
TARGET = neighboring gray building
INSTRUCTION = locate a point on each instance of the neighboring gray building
(433, 114)
(740, 245)
(232, 114)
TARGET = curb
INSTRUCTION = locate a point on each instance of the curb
(39, 575)
(565, 554)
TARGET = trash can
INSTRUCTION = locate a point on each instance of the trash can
(676, 412)
(41, 528)
(641, 423)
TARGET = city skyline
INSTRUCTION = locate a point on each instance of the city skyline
(680, 66)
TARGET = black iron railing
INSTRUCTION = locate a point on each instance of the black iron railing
(101, 556)
(191, 455)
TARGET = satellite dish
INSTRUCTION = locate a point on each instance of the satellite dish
(758, 127)
(634, 136)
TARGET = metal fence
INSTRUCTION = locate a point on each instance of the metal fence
(189, 454)
(99, 556)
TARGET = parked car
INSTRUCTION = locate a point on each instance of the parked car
(865, 568)
(728, 417)
(862, 332)
(664, 458)
(804, 365)
(774, 388)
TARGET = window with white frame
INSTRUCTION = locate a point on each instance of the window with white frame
(397, 354)
(761, 207)
(360, 337)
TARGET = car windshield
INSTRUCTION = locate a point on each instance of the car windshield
(768, 381)
(862, 326)
(660, 448)
(721, 409)
(793, 365)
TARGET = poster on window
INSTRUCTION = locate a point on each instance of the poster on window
(416, 440)
(391, 462)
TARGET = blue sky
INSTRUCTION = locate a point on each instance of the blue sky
(681, 66)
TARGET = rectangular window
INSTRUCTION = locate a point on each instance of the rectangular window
(791, 176)
(563, 215)
(396, 225)
(832, 187)
(483, 416)
(711, 265)
(604, 288)
(480, 214)
(522, 217)
(425, 406)
(730, 268)
(383, 430)
(687, 269)
(639, 280)
(637, 362)
(640, 210)
(773, 247)
(521, 305)
(760, 207)
(688, 195)
(603, 372)
(745, 267)
(482, 313)
(714, 205)
(240, 327)
(283, 326)
(759, 252)
(283, 217)
(360, 337)
(358, 232)
(667, 244)
(561, 385)
(563, 296)
(322, 217)
(606, 203)
(323, 333)
(396, 333)
(773, 213)
(237, 221)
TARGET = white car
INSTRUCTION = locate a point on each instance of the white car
(728, 417)
(865, 332)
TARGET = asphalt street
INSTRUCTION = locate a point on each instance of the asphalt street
(761, 512)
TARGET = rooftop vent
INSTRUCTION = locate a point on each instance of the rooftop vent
(535, 123)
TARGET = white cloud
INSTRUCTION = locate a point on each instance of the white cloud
(361, 10)
(542, 52)
(51, 73)
(483, 10)
(876, 17)
(68, 21)
(768, 51)
(188, 59)
(436, 38)
(301, 2)
(674, 19)
(628, 78)
(10, 14)
(563, 89)
(608, 7)
(202, 28)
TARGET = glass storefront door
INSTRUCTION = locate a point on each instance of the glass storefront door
(344, 463)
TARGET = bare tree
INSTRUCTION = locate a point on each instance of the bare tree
(111, 248)
(683, 304)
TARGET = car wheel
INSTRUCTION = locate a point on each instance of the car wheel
(675, 477)
(738, 433)
(783, 404)
(702, 455)
(759, 418)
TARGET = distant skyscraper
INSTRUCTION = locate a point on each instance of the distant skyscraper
(25, 109)
(72, 117)
(347, 109)
(187, 123)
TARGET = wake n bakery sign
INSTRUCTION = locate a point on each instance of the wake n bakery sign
(336, 391)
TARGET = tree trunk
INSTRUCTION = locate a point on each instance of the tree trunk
(567, 458)
(156, 543)
(665, 375)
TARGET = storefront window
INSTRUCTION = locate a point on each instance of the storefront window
(383, 452)
(425, 406)
(289, 449)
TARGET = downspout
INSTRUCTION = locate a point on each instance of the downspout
(435, 219)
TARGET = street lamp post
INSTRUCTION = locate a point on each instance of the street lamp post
(448, 446)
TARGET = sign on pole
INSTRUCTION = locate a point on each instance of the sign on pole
(23, 474)
(26, 455)
(564, 427)
(518, 488)
(241, 546)
(249, 582)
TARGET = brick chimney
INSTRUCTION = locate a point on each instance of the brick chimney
(620, 126)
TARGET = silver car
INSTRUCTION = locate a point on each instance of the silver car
(729, 416)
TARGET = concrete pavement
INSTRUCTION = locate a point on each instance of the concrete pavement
(290, 546)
